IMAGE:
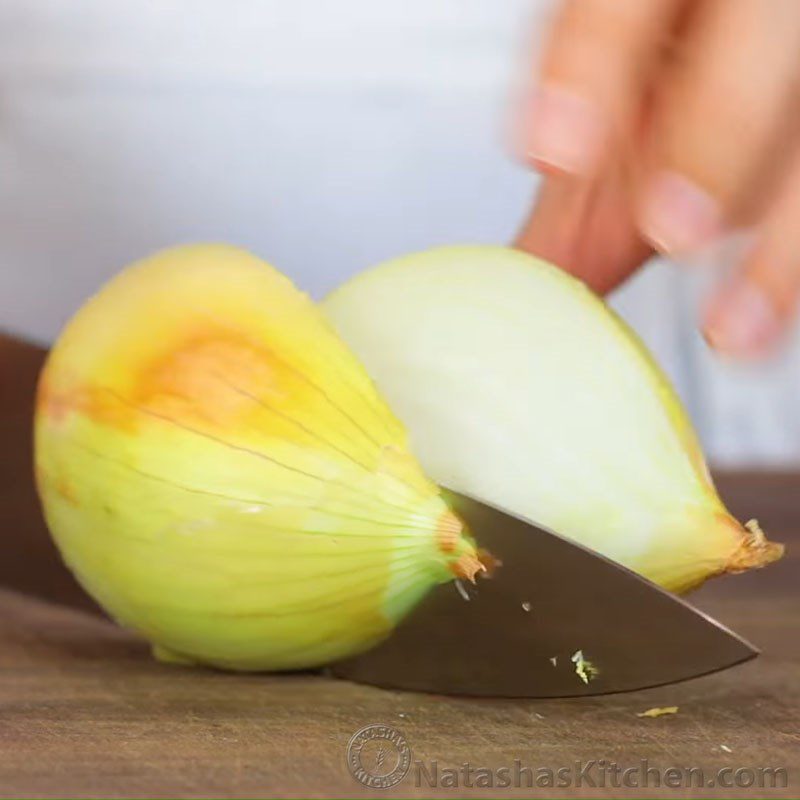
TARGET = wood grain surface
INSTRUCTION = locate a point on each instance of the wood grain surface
(85, 711)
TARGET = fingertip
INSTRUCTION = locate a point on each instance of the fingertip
(676, 215)
(742, 321)
(563, 131)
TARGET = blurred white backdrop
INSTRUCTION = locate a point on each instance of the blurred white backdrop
(323, 136)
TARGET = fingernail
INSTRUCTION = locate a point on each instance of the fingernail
(564, 131)
(742, 322)
(677, 216)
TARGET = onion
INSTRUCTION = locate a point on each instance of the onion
(520, 386)
(221, 475)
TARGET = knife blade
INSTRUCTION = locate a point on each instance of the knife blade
(555, 620)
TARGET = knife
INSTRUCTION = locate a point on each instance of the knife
(555, 620)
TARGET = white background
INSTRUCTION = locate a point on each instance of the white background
(325, 136)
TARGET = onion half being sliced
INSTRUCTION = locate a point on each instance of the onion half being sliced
(520, 386)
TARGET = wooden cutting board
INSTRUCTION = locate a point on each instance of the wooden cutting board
(84, 710)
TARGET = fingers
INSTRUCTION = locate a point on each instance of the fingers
(720, 110)
(591, 77)
(587, 228)
(749, 316)
(702, 132)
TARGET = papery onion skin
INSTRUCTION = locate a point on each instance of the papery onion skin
(222, 476)
(520, 386)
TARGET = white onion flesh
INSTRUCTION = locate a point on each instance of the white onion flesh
(519, 386)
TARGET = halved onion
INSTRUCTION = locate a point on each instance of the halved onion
(520, 386)
(222, 476)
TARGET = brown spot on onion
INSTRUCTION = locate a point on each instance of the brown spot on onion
(754, 551)
(449, 530)
(467, 567)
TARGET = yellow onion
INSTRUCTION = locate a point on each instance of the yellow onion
(520, 386)
(222, 476)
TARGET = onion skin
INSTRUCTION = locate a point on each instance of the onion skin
(221, 475)
(520, 386)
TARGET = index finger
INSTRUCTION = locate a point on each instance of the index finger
(594, 69)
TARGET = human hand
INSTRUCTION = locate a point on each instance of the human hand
(664, 125)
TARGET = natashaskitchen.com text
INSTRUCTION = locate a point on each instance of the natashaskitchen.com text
(595, 773)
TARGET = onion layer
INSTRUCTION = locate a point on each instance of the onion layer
(520, 386)
(221, 475)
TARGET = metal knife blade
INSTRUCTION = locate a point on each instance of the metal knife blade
(519, 633)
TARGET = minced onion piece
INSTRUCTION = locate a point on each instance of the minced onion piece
(658, 711)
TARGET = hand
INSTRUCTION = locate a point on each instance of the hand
(665, 124)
